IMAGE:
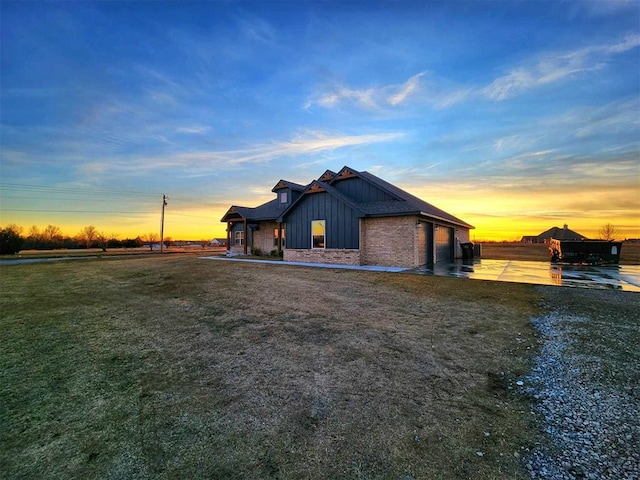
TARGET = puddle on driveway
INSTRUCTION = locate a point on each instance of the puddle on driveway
(618, 277)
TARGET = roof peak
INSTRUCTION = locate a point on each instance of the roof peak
(287, 184)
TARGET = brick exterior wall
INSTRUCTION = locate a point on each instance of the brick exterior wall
(323, 255)
(385, 241)
(393, 241)
(263, 237)
(421, 245)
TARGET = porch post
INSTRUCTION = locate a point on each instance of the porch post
(228, 235)
(245, 236)
(279, 237)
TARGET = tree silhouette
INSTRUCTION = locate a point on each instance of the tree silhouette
(609, 232)
(10, 239)
(88, 235)
(151, 238)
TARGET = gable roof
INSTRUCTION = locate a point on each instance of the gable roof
(318, 186)
(561, 234)
(287, 184)
(403, 204)
(406, 204)
(327, 176)
(266, 211)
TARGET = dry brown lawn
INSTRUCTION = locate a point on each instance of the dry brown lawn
(178, 367)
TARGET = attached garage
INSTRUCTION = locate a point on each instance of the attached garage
(444, 244)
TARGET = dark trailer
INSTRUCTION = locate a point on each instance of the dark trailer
(594, 252)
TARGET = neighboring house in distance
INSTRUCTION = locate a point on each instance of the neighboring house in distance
(348, 217)
(218, 242)
(563, 233)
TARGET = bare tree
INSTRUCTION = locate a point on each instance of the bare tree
(34, 234)
(52, 234)
(151, 238)
(609, 232)
(16, 229)
(102, 239)
(88, 235)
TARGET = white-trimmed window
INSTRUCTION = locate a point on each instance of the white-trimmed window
(318, 234)
(275, 237)
(283, 197)
(239, 240)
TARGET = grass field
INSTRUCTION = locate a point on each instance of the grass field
(176, 367)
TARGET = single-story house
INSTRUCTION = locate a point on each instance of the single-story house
(563, 233)
(348, 217)
(218, 242)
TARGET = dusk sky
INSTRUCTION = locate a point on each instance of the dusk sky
(513, 116)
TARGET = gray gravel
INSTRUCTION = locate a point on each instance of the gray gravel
(586, 386)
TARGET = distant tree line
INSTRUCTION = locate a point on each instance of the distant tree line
(13, 239)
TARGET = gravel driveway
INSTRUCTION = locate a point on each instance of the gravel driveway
(586, 385)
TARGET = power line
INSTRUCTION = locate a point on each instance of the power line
(11, 197)
(69, 189)
(7, 190)
(69, 211)
(193, 216)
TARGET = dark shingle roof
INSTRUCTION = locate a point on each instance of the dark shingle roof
(288, 184)
(406, 203)
(266, 211)
(403, 204)
(561, 234)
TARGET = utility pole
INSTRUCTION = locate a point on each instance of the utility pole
(164, 204)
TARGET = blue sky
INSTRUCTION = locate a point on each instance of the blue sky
(514, 116)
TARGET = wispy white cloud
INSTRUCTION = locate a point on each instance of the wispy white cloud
(554, 67)
(193, 130)
(629, 42)
(615, 118)
(609, 7)
(541, 70)
(372, 97)
(257, 29)
(407, 89)
(211, 161)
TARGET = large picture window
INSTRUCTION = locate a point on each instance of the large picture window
(318, 234)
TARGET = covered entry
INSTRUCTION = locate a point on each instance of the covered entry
(444, 243)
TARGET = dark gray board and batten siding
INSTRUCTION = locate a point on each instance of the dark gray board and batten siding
(342, 222)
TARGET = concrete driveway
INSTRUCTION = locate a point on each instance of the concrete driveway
(619, 277)
(623, 277)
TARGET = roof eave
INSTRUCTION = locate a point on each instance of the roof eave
(421, 214)
(458, 223)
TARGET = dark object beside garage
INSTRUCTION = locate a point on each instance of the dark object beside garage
(467, 251)
(593, 252)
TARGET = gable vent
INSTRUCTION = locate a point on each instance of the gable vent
(315, 188)
(327, 176)
(345, 173)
